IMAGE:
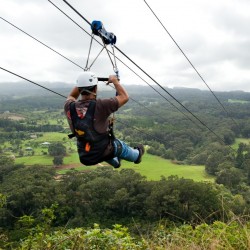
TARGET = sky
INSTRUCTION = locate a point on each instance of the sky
(214, 35)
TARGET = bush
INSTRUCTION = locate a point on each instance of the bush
(219, 235)
(80, 238)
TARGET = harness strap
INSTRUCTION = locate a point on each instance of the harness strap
(111, 129)
(72, 110)
(73, 114)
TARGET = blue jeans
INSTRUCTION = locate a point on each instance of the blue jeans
(123, 151)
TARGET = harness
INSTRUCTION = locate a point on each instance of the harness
(90, 143)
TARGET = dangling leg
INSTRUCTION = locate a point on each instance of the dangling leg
(115, 162)
(123, 151)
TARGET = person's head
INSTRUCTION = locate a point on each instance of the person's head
(87, 83)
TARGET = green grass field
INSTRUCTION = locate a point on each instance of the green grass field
(36, 159)
(237, 101)
(153, 167)
(46, 159)
(51, 137)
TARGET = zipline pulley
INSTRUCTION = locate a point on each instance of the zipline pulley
(108, 38)
(99, 30)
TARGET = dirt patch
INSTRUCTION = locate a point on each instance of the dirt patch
(59, 177)
(14, 117)
(75, 165)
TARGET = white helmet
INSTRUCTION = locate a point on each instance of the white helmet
(86, 79)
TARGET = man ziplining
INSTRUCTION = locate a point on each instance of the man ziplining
(89, 117)
(89, 122)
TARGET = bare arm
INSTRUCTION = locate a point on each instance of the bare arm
(74, 94)
(122, 95)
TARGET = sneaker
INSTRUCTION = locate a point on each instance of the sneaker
(119, 160)
(141, 149)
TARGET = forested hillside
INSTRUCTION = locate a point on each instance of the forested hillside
(37, 204)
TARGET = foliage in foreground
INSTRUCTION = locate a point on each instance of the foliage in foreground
(107, 197)
(34, 206)
(235, 234)
(219, 235)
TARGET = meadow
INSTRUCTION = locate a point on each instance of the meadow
(237, 101)
(153, 167)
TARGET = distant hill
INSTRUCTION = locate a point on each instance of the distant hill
(24, 88)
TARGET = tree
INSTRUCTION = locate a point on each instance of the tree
(2, 200)
(229, 177)
(58, 160)
(182, 148)
(6, 160)
(229, 137)
(184, 199)
(169, 154)
(57, 149)
(240, 155)
(200, 158)
(28, 189)
(246, 166)
(21, 153)
(246, 130)
(213, 162)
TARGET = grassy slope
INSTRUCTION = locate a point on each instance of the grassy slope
(51, 137)
(237, 101)
(36, 159)
(152, 167)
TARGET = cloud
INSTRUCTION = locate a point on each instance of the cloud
(234, 19)
(214, 36)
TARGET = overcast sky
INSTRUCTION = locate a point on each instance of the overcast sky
(215, 36)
